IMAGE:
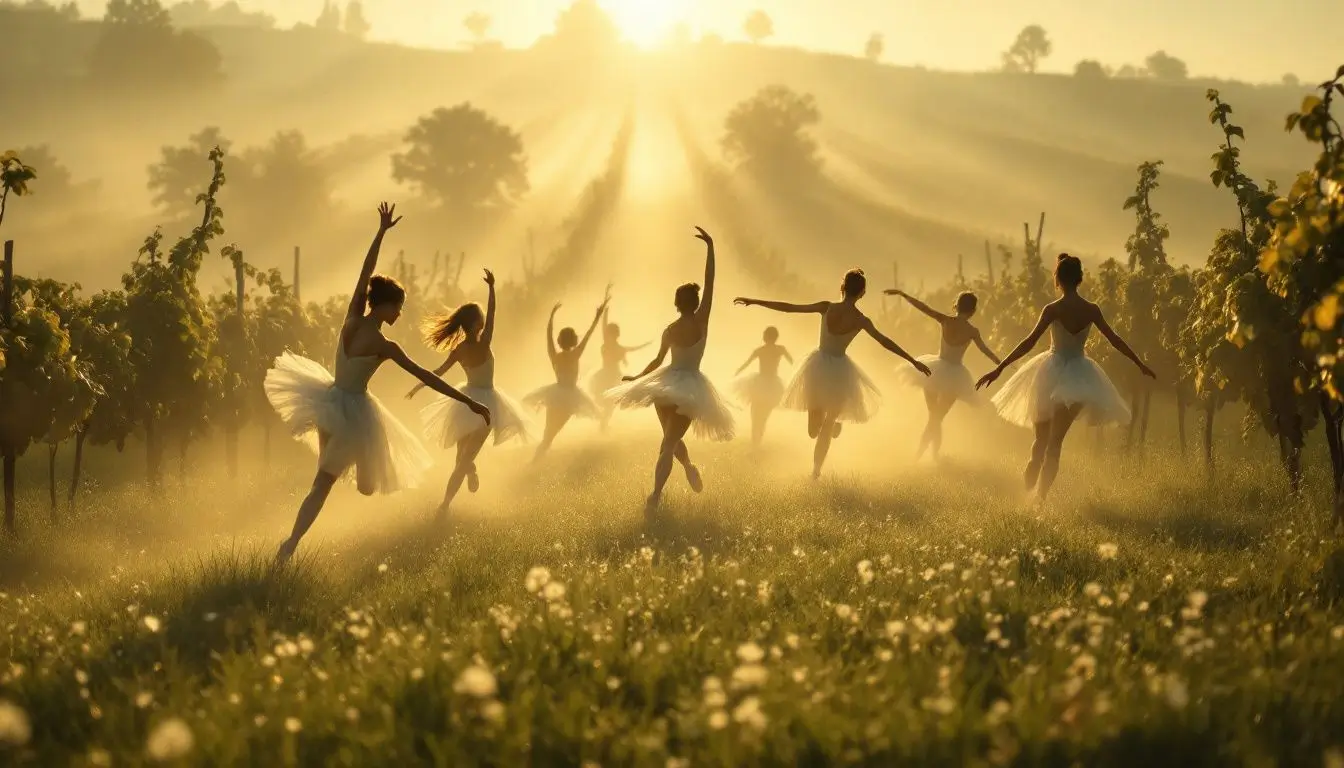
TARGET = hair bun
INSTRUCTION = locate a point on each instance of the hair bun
(1064, 257)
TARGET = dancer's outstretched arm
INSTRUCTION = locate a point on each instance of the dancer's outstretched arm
(1119, 343)
(784, 351)
(393, 351)
(597, 318)
(917, 304)
(818, 308)
(637, 347)
(551, 351)
(1022, 348)
(488, 332)
(438, 373)
(984, 348)
(657, 361)
(360, 298)
(755, 353)
(707, 299)
(892, 346)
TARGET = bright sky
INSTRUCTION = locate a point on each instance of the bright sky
(1255, 40)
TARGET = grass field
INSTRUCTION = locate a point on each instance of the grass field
(888, 614)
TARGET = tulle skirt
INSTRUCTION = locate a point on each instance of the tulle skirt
(759, 390)
(945, 378)
(1050, 380)
(690, 391)
(832, 383)
(447, 421)
(601, 381)
(564, 398)
(359, 431)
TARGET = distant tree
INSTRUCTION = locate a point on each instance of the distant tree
(356, 24)
(1128, 70)
(330, 18)
(202, 13)
(1163, 66)
(138, 47)
(1032, 45)
(758, 26)
(1291, 80)
(767, 135)
(175, 179)
(478, 24)
(1090, 69)
(463, 159)
(873, 49)
(584, 26)
(56, 178)
(283, 173)
(14, 178)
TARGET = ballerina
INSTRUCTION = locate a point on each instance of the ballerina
(949, 380)
(682, 396)
(1050, 391)
(353, 428)
(564, 399)
(466, 334)
(764, 390)
(613, 367)
(828, 385)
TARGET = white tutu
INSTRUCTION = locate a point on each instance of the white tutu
(566, 398)
(946, 377)
(359, 432)
(447, 421)
(1050, 380)
(758, 389)
(603, 380)
(689, 390)
(833, 383)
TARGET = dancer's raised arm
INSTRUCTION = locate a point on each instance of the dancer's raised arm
(1022, 348)
(984, 348)
(755, 353)
(488, 333)
(892, 346)
(597, 318)
(818, 308)
(393, 351)
(707, 299)
(784, 352)
(1119, 343)
(360, 298)
(917, 304)
(657, 361)
(551, 351)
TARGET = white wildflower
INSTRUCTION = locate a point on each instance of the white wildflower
(749, 713)
(1107, 551)
(537, 578)
(554, 592)
(170, 740)
(152, 623)
(750, 653)
(476, 681)
(15, 727)
(865, 568)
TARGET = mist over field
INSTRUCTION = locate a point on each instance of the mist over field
(190, 190)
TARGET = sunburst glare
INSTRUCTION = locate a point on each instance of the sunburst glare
(645, 23)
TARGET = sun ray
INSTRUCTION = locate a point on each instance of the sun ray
(646, 23)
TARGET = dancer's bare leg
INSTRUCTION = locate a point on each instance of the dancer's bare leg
(1038, 446)
(1064, 417)
(308, 512)
(556, 420)
(671, 448)
(930, 402)
(759, 414)
(937, 412)
(465, 468)
(680, 452)
(822, 426)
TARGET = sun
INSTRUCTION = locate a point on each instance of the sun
(645, 23)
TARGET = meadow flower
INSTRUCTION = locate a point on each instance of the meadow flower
(536, 578)
(895, 629)
(750, 653)
(78, 628)
(476, 681)
(382, 567)
(718, 720)
(1107, 551)
(865, 568)
(170, 740)
(493, 711)
(750, 676)
(15, 727)
(100, 758)
(152, 623)
(943, 705)
(1175, 691)
(1091, 589)
(749, 713)
(352, 714)
(1338, 632)
(791, 640)
(844, 612)
(553, 592)
(144, 699)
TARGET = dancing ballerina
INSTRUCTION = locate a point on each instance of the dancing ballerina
(763, 390)
(949, 381)
(828, 384)
(466, 334)
(353, 428)
(613, 366)
(682, 396)
(564, 399)
(1050, 391)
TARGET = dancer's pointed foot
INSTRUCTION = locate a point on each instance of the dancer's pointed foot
(473, 479)
(651, 506)
(693, 477)
(441, 514)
